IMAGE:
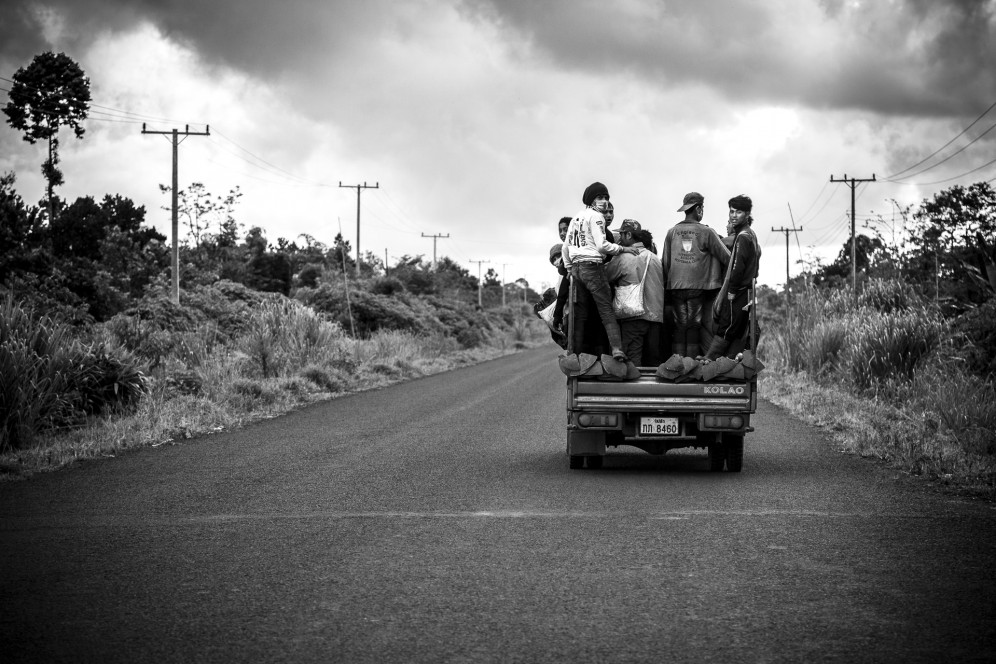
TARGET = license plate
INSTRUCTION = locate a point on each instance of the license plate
(659, 426)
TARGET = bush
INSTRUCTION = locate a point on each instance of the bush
(386, 286)
(48, 377)
(310, 275)
(974, 333)
(888, 296)
(330, 381)
(284, 335)
(886, 347)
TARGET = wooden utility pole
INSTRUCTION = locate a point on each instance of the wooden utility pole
(434, 238)
(358, 187)
(480, 284)
(852, 183)
(788, 296)
(174, 135)
(503, 266)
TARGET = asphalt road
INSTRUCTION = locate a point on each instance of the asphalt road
(437, 521)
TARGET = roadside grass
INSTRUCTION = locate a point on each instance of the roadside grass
(286, 357)
(887, 381)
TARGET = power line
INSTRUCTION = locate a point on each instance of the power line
(953, 154)
(957, 177)
(909, 168)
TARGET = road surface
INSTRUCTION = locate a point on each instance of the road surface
(437, 521)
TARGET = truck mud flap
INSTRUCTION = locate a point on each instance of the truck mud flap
(583, 443)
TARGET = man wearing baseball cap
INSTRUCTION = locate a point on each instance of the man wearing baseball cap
(689, 250)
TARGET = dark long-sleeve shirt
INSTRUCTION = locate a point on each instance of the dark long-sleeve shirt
(744, 261)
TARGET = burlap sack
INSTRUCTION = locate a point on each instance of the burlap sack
(569, 364)
(613, 367)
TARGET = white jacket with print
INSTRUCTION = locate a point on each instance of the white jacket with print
(586, 239)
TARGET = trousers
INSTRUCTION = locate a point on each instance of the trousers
(591, 276)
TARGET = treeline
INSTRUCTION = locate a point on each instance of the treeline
(89, 327)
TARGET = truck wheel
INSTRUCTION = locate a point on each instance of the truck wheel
(576, 461)
(717, 457)
(734, 445)
(595, 462)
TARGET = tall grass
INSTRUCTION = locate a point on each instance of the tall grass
(894, 365)
(214, 363)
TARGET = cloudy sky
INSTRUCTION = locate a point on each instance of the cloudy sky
(484, 120)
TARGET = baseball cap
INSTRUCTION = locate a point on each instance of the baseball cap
(691, 199)
(631, 225)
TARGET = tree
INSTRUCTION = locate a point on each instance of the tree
(491, 278)
(951, 241)
(868, 251)
(50, 93)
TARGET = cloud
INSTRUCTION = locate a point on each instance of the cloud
(485, 119)
(915, 57)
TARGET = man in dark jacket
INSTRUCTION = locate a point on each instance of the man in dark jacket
(731, 307)
(690, 247)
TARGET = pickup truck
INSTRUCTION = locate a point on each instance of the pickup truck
(657, 415)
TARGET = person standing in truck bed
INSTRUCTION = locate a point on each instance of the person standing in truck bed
(689, 248)
(731, 306)
(640, 334)
(583, 253)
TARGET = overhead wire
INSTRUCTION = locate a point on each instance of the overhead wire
(953, 154)
(938, 150)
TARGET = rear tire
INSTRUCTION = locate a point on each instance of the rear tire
(576, 461)
(595, 462)
(734, 444)
(717, 458)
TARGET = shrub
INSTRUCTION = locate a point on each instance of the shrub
(974, 334)
(49, 377)
(386, 286)
(885, 347)
(326, 380)
(106, 379)
(310, 275)
(185, 382)
(283, 335)
(253, 390)
(888, 296)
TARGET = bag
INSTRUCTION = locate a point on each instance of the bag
(546, 313)
(628, 300)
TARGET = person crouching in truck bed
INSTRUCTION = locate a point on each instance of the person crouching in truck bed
(641, 334)
(730, 309)
(563, 287)
(583, 253)
(689, 248)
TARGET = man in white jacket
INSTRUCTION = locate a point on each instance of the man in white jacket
(583, 253)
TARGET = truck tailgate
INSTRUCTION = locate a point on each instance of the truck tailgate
(649, 394)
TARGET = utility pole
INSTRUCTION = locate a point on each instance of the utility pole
(480, 284)
(175, 139)
(358, 187)
(503, 266)
(852, 183)
(786, 231)
(434, 238)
